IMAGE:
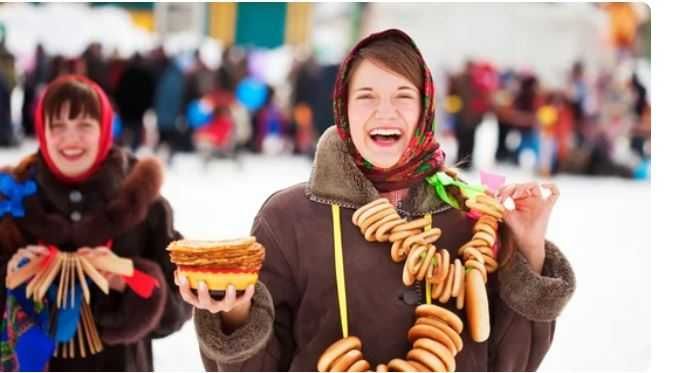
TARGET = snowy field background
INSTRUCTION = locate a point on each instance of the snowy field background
(601, 224)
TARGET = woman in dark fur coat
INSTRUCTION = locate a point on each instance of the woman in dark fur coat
(82, 194)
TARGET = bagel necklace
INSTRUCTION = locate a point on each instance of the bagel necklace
(435, 335)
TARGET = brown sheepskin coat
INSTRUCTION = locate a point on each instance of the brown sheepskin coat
(295, 315)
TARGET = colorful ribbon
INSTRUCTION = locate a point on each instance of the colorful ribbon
(441, 180)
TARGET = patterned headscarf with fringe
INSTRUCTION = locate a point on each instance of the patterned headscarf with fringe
(422, 157)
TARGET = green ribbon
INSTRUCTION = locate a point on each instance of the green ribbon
(440, 180)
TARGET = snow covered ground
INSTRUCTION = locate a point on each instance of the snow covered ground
(601, 224)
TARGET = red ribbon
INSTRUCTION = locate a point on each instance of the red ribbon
(141, 283)
(46, 262)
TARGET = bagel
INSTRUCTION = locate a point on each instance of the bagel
(458, 278)
(399, 365)
(440, 313)
(472, 253)
(359, 366)
(438, 350)
(429, 254)
(486, 252)
(419, 331)
(457, 341)
(412, 241)
(451, 346)
(418, 366)
(490, 264)
(336, 349)
(477, 306)
(476, 243)
(343, 362)
(358, 212)
(415, 260)
(488, 200)
(365, 215)
(397, 253)
(434, 271)
(397, 236)
(427, 358)
(460, 300)
(489, 239)
(412, 225)
(446, 263)
(486, 228)
(431, 235)
(375, 232)
(408, 278)
(436, 290)
(375, 218)
(473, 264)
(383, 232)
(490, 221)
(484, 209)
(448, 285)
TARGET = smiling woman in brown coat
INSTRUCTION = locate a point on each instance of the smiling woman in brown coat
(382, 146)
(90, 194)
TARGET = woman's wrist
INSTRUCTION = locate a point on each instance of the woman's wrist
(535, 255)
(235, 318)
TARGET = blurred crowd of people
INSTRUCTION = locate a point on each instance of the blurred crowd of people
(595, 126)
(179, 103)
(598, 126)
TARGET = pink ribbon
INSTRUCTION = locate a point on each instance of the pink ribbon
(491, 181)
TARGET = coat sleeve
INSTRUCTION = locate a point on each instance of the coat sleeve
(266, 342)
(525, 306)
(176, 311)
(128, 318)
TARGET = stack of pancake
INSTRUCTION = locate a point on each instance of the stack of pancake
(218, 263)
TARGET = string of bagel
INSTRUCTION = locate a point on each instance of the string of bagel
(435, 336)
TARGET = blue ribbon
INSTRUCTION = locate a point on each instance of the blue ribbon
(12, 194)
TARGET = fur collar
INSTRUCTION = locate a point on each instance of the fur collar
(120, 194)
(336, 179)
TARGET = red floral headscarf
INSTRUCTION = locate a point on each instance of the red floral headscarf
(422, 157)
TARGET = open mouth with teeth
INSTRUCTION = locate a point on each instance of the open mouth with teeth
(385, 136)
(72, 154)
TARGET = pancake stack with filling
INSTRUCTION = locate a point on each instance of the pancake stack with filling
(218, 263)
